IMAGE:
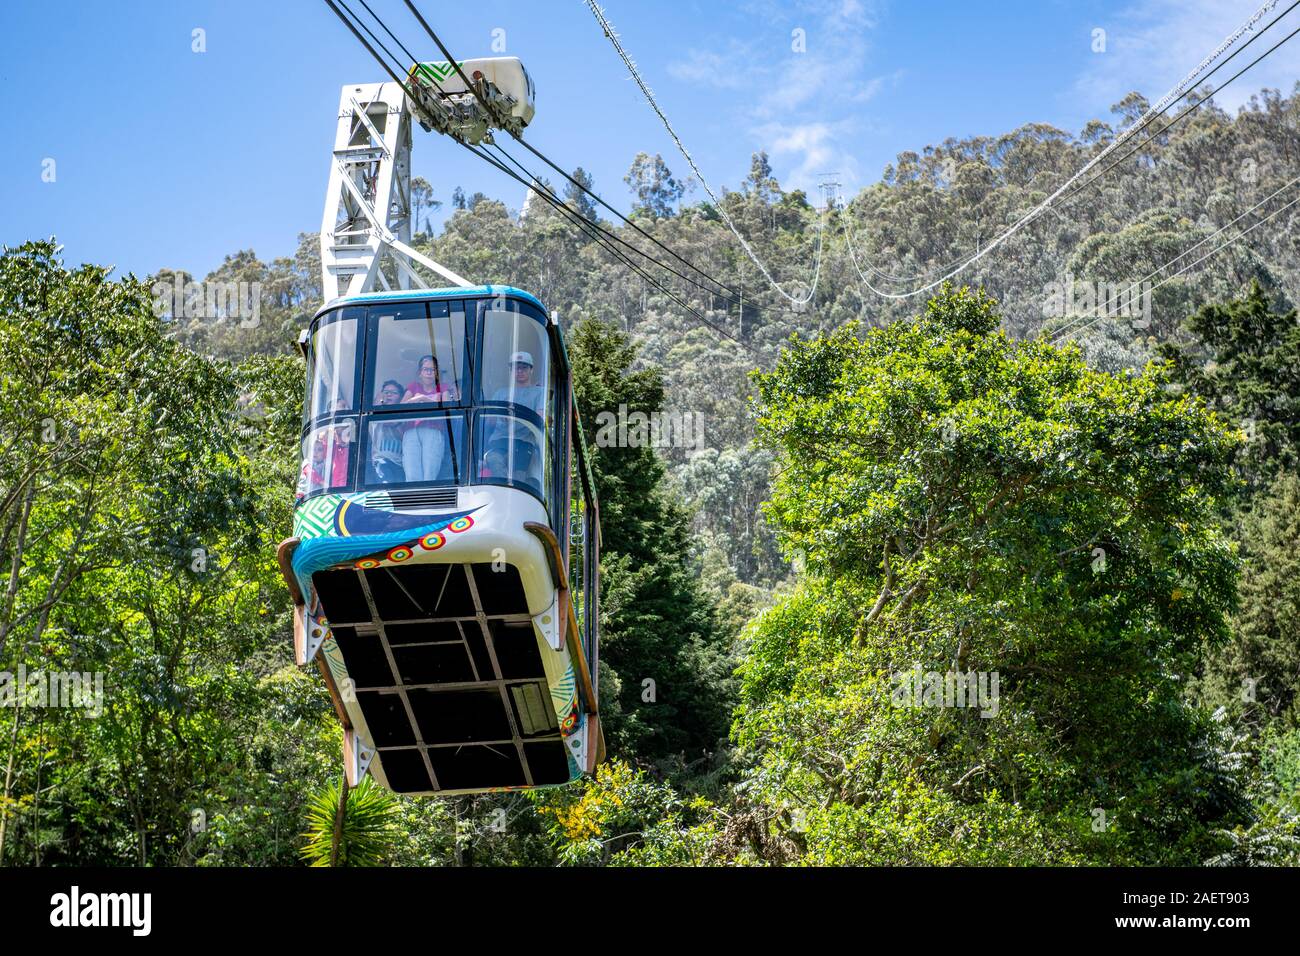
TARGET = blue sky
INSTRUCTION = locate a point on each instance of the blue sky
(167, 157)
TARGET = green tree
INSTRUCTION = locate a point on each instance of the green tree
(966, 503)
(1256, 675)
(651, 181)
(1245, 362)
(422, 201)
(141, 484)
(351, 826)
(670, 690)
(578, 197)
(761, 183)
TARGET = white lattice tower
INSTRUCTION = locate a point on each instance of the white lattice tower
(367, 221)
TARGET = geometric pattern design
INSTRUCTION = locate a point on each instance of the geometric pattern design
(315, 516)
(441, 70)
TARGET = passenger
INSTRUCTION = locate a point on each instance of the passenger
(424, 441)
(521, 391)
(427, 386)
(341, 453)
(330, 453)
(341, 436)
(509, 441)
(386, 439)
(312, 476)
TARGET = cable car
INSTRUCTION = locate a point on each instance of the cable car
(446, 535)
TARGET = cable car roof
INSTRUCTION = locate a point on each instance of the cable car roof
(454, 292)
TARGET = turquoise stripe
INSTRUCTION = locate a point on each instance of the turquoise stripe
(398, 295)
(317, 554)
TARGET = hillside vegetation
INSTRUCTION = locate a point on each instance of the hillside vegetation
(1092, 519)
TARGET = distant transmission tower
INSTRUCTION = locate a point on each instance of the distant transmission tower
(830, 187)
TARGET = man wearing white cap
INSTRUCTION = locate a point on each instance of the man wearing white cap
(521, 391)
(513, 443)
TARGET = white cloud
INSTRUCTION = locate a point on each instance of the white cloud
(872, 87)
(806, 80)
(804, 103)
(1153, 44)
(807, 151)
(728, 71)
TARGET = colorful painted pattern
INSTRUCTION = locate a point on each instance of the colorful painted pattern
(323, 544)
(427, 542)
(564, 696)
(314, 518)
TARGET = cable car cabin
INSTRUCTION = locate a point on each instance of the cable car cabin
(446, 536)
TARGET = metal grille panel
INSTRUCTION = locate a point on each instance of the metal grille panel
(448, 674)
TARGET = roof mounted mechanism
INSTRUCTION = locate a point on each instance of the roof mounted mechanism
(444, 103)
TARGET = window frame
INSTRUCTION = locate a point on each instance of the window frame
(556, 435)
(537, 315)
(466, 359)
(325, 319)
(543, 492)
(349, 482)
(462, 462)
(507, 410)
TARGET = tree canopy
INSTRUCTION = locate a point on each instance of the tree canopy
(967, 503)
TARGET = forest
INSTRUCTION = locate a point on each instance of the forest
(1090, 516)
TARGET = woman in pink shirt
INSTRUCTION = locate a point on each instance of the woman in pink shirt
(425, 440)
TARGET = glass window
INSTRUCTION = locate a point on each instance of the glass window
(405, 450)
(515, 358)
(510, 450)
(417, 354)
(332, 365)
(327, 458)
